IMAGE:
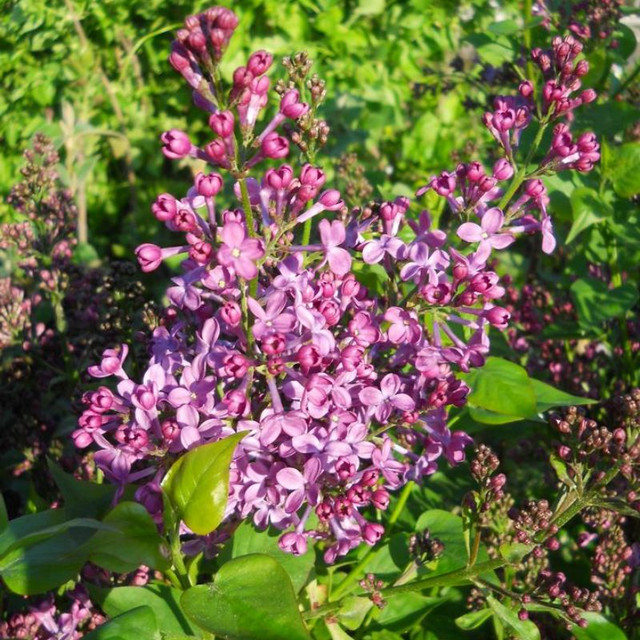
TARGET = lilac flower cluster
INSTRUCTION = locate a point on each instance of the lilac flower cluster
(342, 391)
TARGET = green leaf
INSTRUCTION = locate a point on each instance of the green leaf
(625, 174)
(133, 625)
(494, 50)
(524, 629)
(448, 528)
(502, 387)
(588, 208)
(24, 526)
(163, 600)
(504, 27)
(48, 563)
(247, 540)
(473, 619)
(133, 541)
(598, 628)
(251, 598)
(82, 497)
(353, 611)
(406, 612)
(197, 484)
(596, 303)
(4, 516)
(548, 397)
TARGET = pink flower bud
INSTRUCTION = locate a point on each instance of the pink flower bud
(231, 314)
(242, 78)
(217, 151)
(502, 170)
(165, 207)
(185, 220)
(259, 62)
(372, 533)
(275, 146)
(280, 178)
(312, 176)
(309, 358)
(222, 123)
(235, 401)
(330, 200)
(149, 256)
(201, 252)
(525, 89)
(290, 105)
(208, 185)
(535, 188)
(176, 144)
(380, 499)
(588, 95)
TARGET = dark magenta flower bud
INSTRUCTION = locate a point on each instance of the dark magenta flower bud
(222, 123)
(176, 144)
(165, 207)
(275, 146)
(259, 62)
(208, 185)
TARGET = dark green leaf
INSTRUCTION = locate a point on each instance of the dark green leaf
(4, 516)
(596, 303)
(134, 541)
(133, 625)
(198, 484)
(163, 600)
(46, 564)
(82, 497)
(251, 598)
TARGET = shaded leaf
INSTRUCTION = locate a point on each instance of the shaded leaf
(133, 625)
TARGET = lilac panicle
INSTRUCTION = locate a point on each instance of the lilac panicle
(342, 392)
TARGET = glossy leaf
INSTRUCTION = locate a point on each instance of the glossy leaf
(251, 598)
(548, 397)
(247, 540)
(163, 600)
(502, 387)
(197, 484)
(133, 625)
(48, 563)
(133, 540)
(598, 628)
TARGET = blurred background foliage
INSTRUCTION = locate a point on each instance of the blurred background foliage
(403, 84)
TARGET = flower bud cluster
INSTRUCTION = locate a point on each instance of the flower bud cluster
(425, 548)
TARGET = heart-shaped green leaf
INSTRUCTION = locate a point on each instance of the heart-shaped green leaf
(197, 485)
(251, 598)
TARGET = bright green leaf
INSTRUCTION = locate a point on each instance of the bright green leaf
(197, 484)
(524, 629)
(502, 387)
(247, 540)
(251, 598)
(588, 208)
(134, 541)
(473, 619)
(548, 397)
(625, 175)
(133, 625)
(162, 599)
(598, 628)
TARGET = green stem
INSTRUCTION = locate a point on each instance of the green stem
(306, 233)
(527, 12)
(356, 572)
(450, 579)
(522, 173)
(246, 318)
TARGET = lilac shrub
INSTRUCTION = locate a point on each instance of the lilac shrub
(342, 390)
